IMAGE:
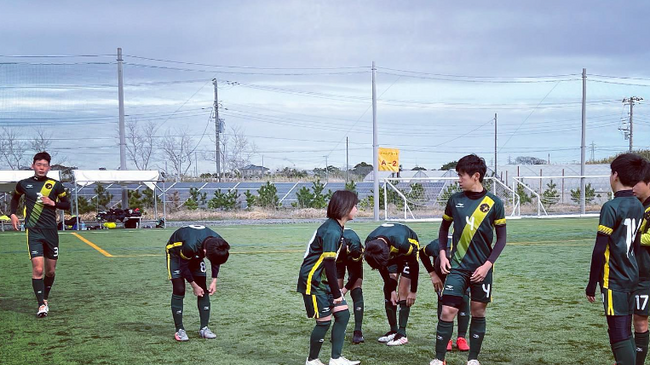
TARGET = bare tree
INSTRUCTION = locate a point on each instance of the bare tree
(12, 149)
(237, 150)
(178, 148)
(140, 142)
(42, 141)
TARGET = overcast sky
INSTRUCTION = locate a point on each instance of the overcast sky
(302, 74)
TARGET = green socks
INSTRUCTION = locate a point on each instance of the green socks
(39, 288)
(341, 319)
(177, 311)
(391, 314)
(48, 281)
(357, 301)
(624, 352)
(641, 343)
(463, 323)
(443, 336)
(203, 303)
(476, 334)
(404, 312)
(317, 338)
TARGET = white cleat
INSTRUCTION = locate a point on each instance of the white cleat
(389, 336)
(437, 362)
(473, 362)
(181, 335)
(206, 333)
(313, 362)
(398, 341)
(43, 311)
(343, 361)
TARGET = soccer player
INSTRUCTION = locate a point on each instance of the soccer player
(428, 254)
(392, 248)
(351, 259)
(642, 292)
(43, 196)
(475, 213)
(318, 282)
(185, 251)
(613, 262)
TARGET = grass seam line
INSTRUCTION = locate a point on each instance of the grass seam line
(101, 250)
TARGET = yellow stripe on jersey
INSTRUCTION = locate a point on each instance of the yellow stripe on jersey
(500, 222)
(645, 235)
(447, 218)
(470, 230)
(413, 242)
(316, 310)
(313, 270)
(169, 269)
(37, 209)
(610, 303)
(172, 245)
(606, 269)
(605, 230)
(28, 250)
(63, 195)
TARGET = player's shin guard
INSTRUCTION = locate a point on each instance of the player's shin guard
(357, 301)
(463, 320)
(177, 311)
(443, 336)
(641, 343)
(317, 338)
(39, 289)
(404, 312)
(476, 334)
(48, 281)
(624, 352)
(391, 314)
(341, 319)
(203, 303)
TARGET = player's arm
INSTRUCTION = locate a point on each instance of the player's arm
(607, 220)
(62, 201)
(428, 254)
(212, 288)
(443, 232)
(330, 246)
(390, 286)
(355, 269)
(15, 200)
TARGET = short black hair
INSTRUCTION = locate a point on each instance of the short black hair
(341, 204)
(216, 250)
(42, 156)
(630, 167)
(376, 254)
(472, 164)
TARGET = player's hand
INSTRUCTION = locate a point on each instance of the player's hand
(344, 290)
(198, 291)
(338, 300)
(213, 287)
(444, 264)
(591, 299)
(437, 282)
(479, 274)
(410, 299)
(47, 201)
(393, 298)
(14, 222)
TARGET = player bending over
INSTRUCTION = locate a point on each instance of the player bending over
(475, 213)
(185, 250)
(392, 248)
(613, 262)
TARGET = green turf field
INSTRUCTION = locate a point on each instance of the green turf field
(115, 310)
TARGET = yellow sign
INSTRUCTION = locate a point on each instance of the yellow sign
(388, 159)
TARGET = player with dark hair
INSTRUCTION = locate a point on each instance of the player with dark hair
(318, 282)
(429, 258)
(185, 251)
(475, 214)
(642, 292)
(350, 259)
(392, 248)
(613, 262)
(43, 196)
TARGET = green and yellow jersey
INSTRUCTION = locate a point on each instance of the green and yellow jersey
(187, 242)
(324, 244)
(352, 251)
(620, 219)
(402, 240)
(37, 214)
(474, 221)
(643, 257)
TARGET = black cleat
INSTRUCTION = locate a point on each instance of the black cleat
(357, 338)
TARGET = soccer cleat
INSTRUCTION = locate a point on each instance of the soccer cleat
(313, 362)
(450, 345)
(206, 333)
(461, 343)
(343, 361)
(399, 340)
(357, 338)
(473, 362)
(387, 337)
(181, 335)
(42, 311)
(437, 362)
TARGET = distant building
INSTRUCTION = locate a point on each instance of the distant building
(254, 171)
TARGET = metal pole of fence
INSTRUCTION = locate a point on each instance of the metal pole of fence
(582, 145)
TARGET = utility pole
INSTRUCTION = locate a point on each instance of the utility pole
(120, 98)
(631, 101)
(582, 145)
(327, 172)
(217, 122)
(375, 147)
(347, 159)
(593, 149)
(495, 145)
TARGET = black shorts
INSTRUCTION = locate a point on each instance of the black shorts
(197, 267)
(641, 296)
(320, 305)
(43, 242)
(457, 283)
(400, 267)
